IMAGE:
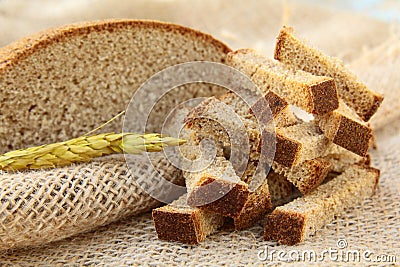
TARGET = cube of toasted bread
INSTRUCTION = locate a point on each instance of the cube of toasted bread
(230, 120)
(180, 222)
(217, 188)
(293, 51)
(345, 129)
(294, 144)
(307, 175)
(292, 223)
(314, 94)
(341, 159)
(280, 189)
(258, 203)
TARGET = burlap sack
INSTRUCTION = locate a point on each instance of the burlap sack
(371, 48)
(53, 204)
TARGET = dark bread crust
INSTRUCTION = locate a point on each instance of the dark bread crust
(275, 102)
(287, 151)
(276, 105)
(377, 174)
(353, 136)
(376, 103)
(197, 112)
(286, 228)
(283, 34)
(320, 168)
(15, 52)
(230, 197)
(366, 161)
(324, 97)
(258, 203)
(182, 227)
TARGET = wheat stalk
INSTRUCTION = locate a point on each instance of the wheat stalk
(83, 149)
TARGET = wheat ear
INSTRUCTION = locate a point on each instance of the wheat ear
(83, 149)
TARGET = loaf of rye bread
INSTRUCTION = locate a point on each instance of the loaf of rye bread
(89, 62)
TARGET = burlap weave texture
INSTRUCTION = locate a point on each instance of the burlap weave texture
(53, 204)
(371, 49)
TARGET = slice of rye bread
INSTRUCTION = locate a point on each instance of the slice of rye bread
(295, 144)
(292, 223)
(314, 94)
(180, 222)
(345, 129)
(307, 175)
(59, 84)
(293, 51)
